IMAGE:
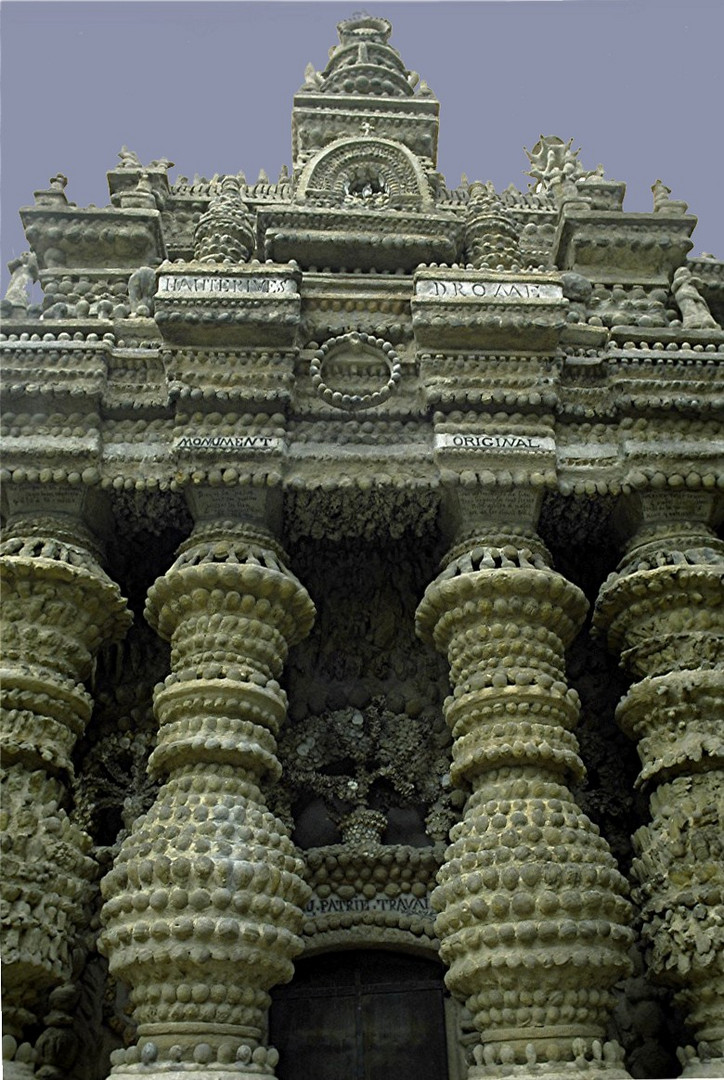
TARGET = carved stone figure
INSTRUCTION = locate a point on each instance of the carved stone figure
(59, 182)
(695, 314)
(661, 195)
(553, 161)
(24, 271)
(663, 203)
(141, 290)
(129, 159)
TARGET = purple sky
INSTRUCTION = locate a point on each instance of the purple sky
(639, 84)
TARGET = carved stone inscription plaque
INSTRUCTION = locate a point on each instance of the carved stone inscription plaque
(228, 442)
(500, 441)
(207, 284)
(402, 905)
(676, 506)
(512, 505)
(238, 504)
(489, 290)
(46, 499)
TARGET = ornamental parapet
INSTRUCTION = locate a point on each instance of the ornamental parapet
(94, 238)
(613, 247)
(376, 239)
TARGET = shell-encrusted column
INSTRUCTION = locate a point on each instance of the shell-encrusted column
(532, 915)
(491, 233)
(663, 610)
(224, 233)
(204, 904)
(58, 608)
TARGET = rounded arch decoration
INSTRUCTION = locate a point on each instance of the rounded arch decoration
(365, 169)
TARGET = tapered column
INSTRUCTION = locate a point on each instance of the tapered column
(663, 610)
(203, 906)
(58, 608)
(532, 915)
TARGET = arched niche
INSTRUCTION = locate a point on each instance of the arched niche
(365, 172)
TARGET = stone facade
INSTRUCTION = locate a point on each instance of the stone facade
(332, 506)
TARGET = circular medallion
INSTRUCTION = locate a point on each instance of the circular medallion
(354, 359)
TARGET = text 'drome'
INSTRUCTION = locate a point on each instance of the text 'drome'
(489, 290)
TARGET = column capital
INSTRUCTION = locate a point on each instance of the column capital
(237, 563)
(254, 505)
(662, 608)
(79, 514)
(658, 515)
(478, 510)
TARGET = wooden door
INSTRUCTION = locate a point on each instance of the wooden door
(365, 1015)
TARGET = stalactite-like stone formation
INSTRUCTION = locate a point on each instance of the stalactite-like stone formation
(58, 607)
(532, 916)
(663, 610)
(224, 233)
(203, 907)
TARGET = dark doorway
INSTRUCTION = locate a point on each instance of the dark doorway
(365, 1015)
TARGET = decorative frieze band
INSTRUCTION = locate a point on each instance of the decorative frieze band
(506, 442)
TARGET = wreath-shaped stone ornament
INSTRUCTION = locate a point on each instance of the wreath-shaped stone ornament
(355, 350)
